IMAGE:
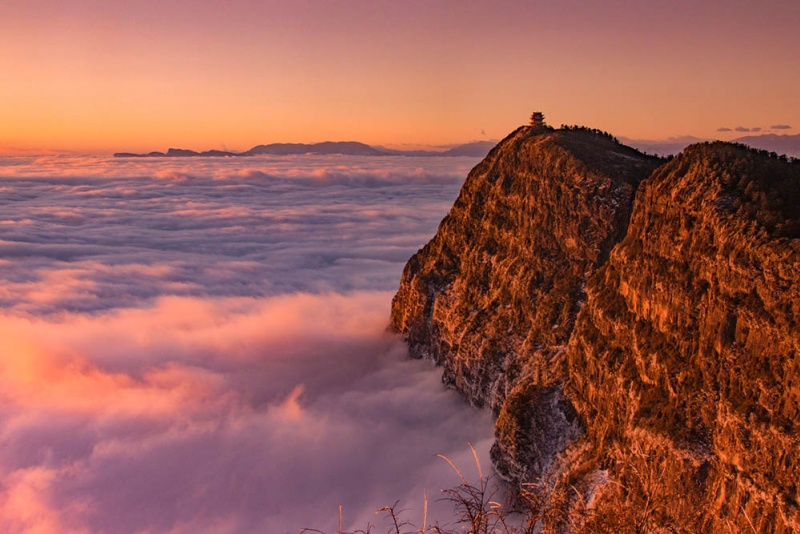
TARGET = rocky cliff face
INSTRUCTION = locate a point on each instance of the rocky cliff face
(645, 355)
(494, 296)
(684, 360)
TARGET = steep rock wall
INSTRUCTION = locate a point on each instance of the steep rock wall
(670, 400)
(493, 297)
(684, 361)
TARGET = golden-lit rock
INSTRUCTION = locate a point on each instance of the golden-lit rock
(643, 353)
(684, 360)
(494, 296)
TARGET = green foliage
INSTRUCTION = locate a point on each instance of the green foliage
(757, 185)
(593, 131)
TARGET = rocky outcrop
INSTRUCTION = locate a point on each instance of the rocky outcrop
(494, 296)
(670, 398)
(684, 361)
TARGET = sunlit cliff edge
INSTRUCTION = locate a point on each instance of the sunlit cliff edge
(631, 321)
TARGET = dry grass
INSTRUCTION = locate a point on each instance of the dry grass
(538, 509)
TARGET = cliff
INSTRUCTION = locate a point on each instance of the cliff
(494, 296)
(642, 354)
(684, 361)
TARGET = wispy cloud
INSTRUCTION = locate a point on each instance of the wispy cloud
(780, 127)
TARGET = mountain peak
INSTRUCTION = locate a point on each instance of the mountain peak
(631, 321)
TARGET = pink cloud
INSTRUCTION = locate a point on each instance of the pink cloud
(207, 411)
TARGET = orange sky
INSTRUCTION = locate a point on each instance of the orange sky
(99, 76)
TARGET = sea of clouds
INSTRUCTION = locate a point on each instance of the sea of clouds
(200, 345)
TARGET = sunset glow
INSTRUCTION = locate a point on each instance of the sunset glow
(511, 265)
(97, 77)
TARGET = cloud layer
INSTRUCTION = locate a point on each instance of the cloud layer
(201, 347)
(87, 234)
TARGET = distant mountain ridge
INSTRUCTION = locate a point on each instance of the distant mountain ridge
(476, 149)
(788, 144)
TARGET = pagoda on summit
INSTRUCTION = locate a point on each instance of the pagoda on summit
(537, 119)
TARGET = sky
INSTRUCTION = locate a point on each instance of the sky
(201, 346)
(98, 76)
